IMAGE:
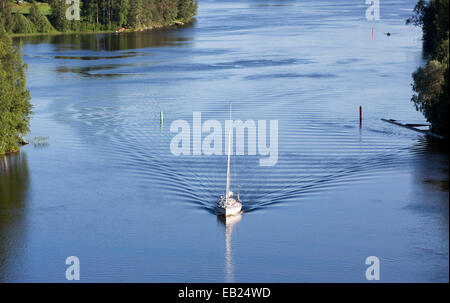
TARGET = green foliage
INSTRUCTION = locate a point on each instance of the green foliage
(428, 82)
(431, 82)
(135, 15)
(168, 10)
(16, 22)
(6, 17)
(432, 16)
(23, 25)
(40, 21)
(15, 107)
(24, 7)
(123, 7)
(187, 9)
(96, 15)
(58, 15)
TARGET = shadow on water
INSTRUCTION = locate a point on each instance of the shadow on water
(430, 175)
(14, 181)
(432, 165)
(109, 41)
(88, 71)
(14, 185)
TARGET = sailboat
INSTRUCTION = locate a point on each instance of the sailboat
(228, 205)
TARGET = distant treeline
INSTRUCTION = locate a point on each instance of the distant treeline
(431, 81)
(97, 15)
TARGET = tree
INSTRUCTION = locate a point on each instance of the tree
(23, 25)
(431, 82)
(427, 84)
(40, 21)
(122, 8)
(58, 15)
(15, 107)
(89, 11)
(6, 17)
(432, 16)
(135, 18)
(187, 9)
(169, 10)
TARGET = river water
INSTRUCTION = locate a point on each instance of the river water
(105, 186)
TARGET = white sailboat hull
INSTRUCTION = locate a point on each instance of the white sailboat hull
(230, 210)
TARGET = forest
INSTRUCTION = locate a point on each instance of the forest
(430, 82)
(21, 17)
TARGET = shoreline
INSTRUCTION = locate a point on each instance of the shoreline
(15, 151)
(173, 25)
(10, 152)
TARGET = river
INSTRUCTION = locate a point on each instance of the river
(105, 186)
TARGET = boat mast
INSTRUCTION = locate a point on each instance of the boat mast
(229, 154)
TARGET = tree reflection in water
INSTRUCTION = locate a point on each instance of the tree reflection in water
(14, 185)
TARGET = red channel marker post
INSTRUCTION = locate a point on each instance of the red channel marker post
(360, 116)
